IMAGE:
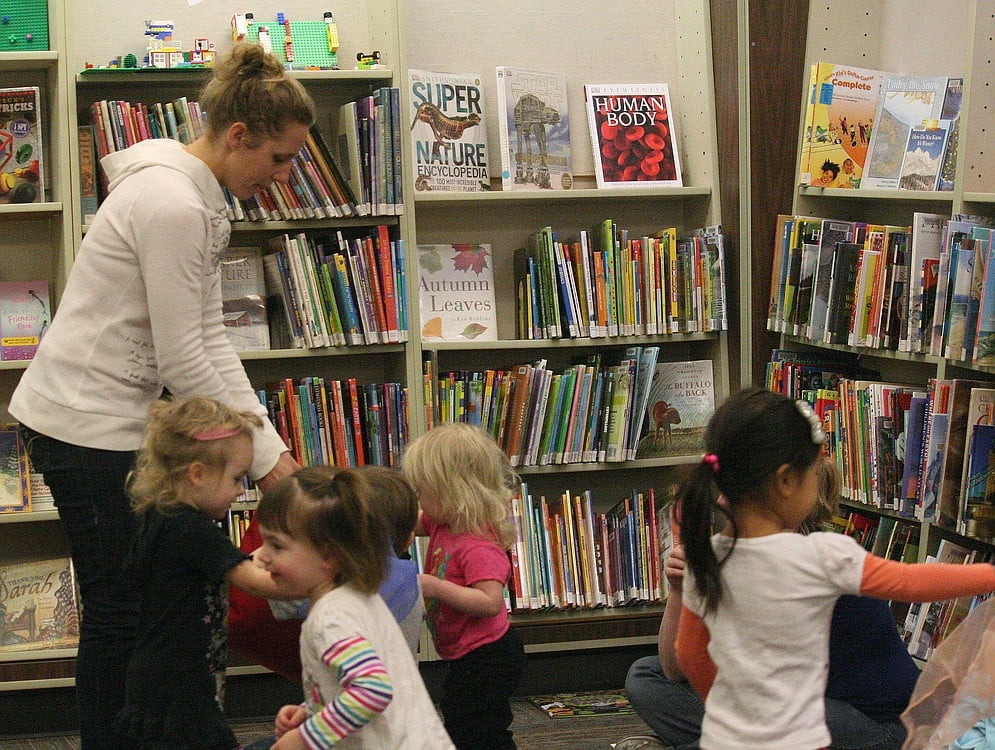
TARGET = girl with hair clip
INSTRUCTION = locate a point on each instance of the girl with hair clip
(762, 595)
(190, 468)
(322, 541)
(141, 312)
(464, 484)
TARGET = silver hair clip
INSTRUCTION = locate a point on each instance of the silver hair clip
(818, 434)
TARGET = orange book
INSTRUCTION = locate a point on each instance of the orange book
(357, 421)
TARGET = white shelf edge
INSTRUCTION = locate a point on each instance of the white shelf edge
(187, 74)
(326, 351)
(30, 516)
(17, 209)
(555, 196)
(945, 196)
(567, 343)
(35, 60)
(37, 654)
(635, 640)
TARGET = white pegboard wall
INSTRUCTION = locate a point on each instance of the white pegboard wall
(978, 148)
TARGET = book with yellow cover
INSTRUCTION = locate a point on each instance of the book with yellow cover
(842, 103)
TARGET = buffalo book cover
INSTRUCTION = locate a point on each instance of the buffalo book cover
(448, 136)
(681, 401)
(243, 295)
(839, 121)
(38, 605)
(25, 314)
(534, 127)
(633, 135)
(456, 292)
(22, 168)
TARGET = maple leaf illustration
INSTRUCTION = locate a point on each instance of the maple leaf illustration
(470, 258)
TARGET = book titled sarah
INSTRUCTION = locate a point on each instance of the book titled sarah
(456, 293)
(25, 314)
(633, 135)
(38, 605)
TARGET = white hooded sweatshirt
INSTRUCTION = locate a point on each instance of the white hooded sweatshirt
(142, 311)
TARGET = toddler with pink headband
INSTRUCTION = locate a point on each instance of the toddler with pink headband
(191, 466)
(760, 595)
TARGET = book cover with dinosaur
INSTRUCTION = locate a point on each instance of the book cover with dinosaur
(534, 126)
(633, 135)
(448, 134)
(681, 401)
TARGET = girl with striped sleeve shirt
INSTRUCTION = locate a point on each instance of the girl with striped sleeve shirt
(362, 688)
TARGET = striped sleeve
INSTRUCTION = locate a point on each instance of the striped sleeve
(366, 691)
(924, 582)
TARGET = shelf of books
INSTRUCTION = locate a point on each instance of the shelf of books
(883, 292)
(572, 302)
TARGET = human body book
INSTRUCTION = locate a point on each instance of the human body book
(22, 161)
(448, 137)
(534, 127)
(905, 103)
(633, 135)
(839, 122)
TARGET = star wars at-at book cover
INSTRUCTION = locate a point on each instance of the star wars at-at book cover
(22, 173)
(534, 125)
(448, 136)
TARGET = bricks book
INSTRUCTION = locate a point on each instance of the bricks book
(22, 168)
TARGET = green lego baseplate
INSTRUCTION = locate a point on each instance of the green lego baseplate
(308, 41)
(23, 25)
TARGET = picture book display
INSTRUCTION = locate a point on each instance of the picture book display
(22, 169)
(456, 292)
(633, 135)
(839, 121)
(534, 126)
(243, 295)
(448, 137)
(681, 401)
(951, 113)
(15, 479)
(25, 314)
(38, 605)
(906, 102)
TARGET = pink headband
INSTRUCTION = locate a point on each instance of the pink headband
(712, 460)
(216, 433)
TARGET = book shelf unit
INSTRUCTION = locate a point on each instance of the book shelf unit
(503, 219)
(506, 219)
(933, 48)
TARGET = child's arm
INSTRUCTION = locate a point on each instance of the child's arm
(419, 526)
(673, 568)
(692, 652)
(254, 579)
(366, 691)
(924, 582)
(481, 599)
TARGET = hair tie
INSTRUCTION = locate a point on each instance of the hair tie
(815, 424)
(216, 433)
(711, 460)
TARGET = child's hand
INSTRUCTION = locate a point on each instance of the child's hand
(673, 568)
(429, 585)
(289, 718)
(290, 741)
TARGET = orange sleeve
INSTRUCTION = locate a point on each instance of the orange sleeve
(692, 652)
(924, 582)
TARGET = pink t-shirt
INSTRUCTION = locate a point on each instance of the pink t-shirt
(464, 560)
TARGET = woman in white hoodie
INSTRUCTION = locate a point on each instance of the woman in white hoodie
(141, 313)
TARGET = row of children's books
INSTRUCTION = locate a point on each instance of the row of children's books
(922, 452)
(568, 555)
(923, 288)
(873, 129)
(588, 412)
(358, 175)
(339, 422)
(336, 291)
(607, 283)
